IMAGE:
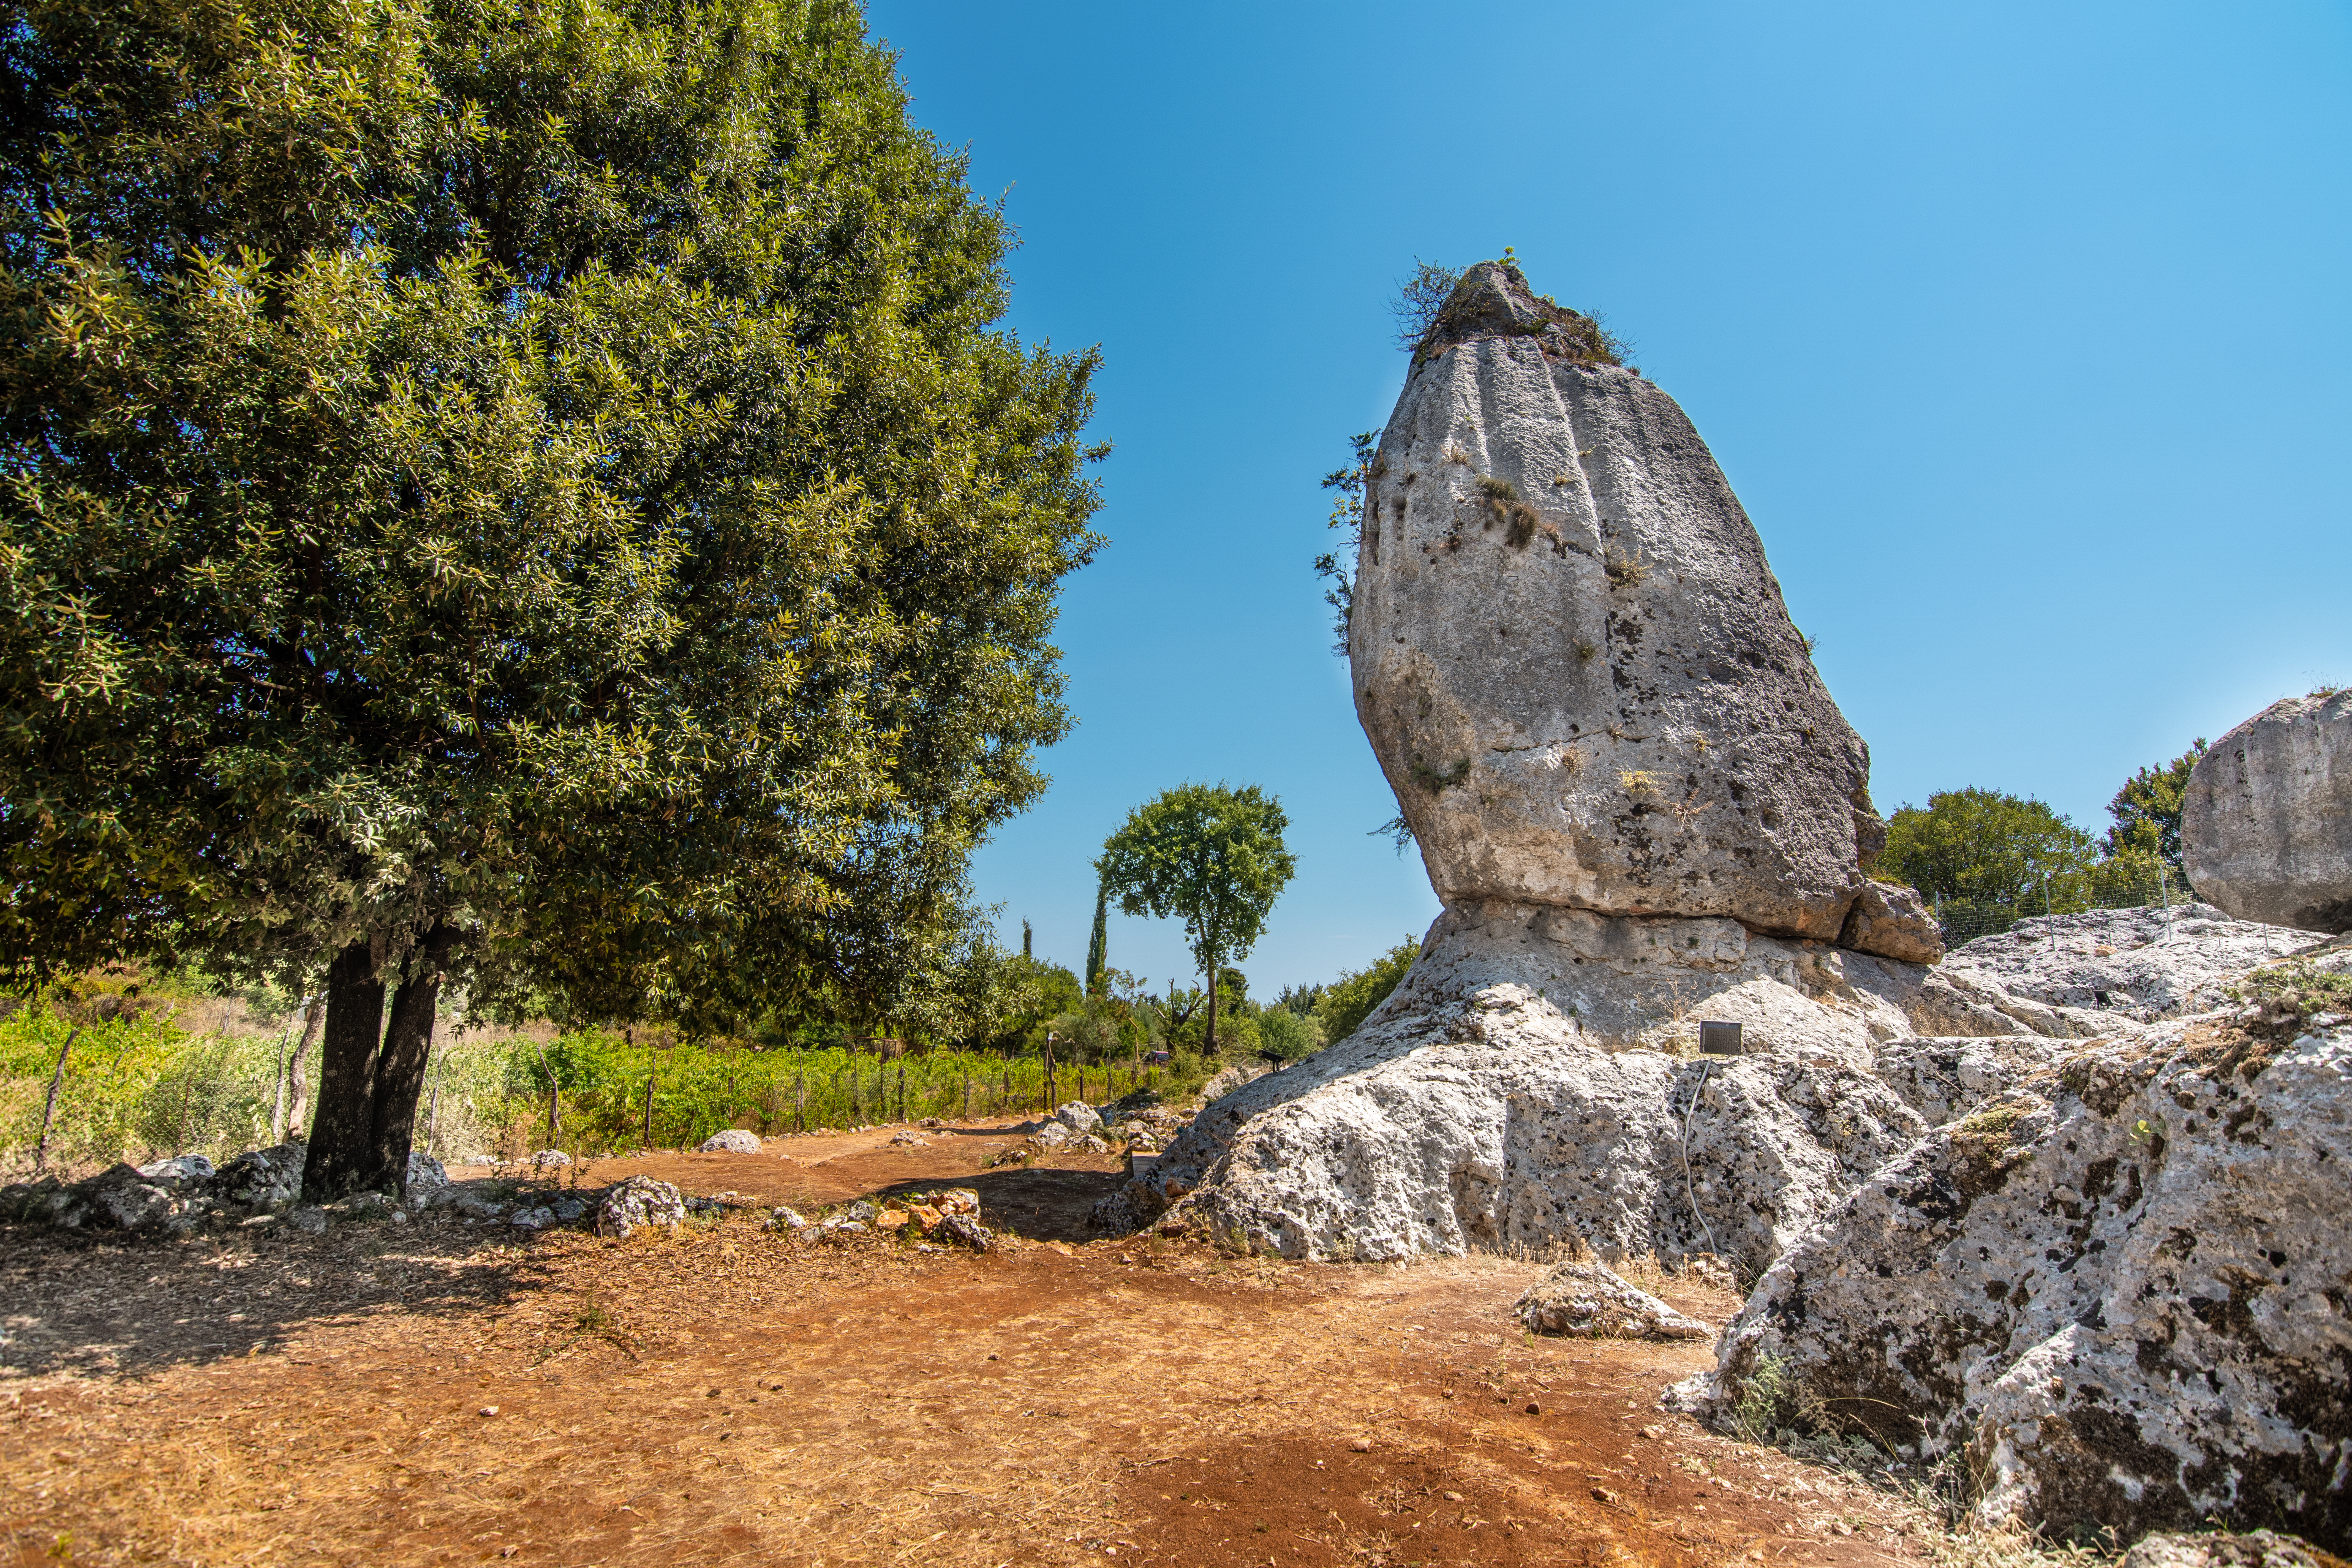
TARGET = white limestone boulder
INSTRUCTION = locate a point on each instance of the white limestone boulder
(1570, 655)
(2266, 820)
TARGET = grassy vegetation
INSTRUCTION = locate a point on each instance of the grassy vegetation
(138, 1086)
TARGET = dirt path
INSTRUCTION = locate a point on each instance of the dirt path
(730, 1395)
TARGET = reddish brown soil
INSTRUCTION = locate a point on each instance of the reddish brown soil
(731, 1395)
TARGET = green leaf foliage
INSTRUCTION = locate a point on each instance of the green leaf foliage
(2147, 810)
(1985, 847)
(1211, 856)
(1347, 1001)
(551, 471)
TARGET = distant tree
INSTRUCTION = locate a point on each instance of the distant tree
(1099, 942)
(526, 496)
(1211, 856)
(1285, 1035)
(1989, 848)
(1302, 1000)
(1349, 999)
(2147, 810)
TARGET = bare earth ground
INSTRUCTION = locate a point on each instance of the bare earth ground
(731, 1395)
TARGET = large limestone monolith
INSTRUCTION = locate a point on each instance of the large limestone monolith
(2266, 820)
(1568, 652)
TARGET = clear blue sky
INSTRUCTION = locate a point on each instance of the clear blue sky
(2021, 330)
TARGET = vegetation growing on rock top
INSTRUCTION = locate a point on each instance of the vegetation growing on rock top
(1494, 298)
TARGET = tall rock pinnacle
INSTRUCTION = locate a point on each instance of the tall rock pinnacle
(1568, 652)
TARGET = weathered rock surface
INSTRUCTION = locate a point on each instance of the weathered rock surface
(731, 1140)
(2255, 1549)
(2266, 820)
(1944, 1079)
(2140, 965)
(1493, 1120)
(1526, 1081)
(641, 1200)
(1570, 654)
(1630, 982)
(2124, 1289)
(1587, 1300)
(1894, 922)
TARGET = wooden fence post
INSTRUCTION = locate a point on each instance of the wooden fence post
(902, 1092)
(800, 1104)
(49, 1111)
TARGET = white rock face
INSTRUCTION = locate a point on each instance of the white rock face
(1570, 654)
(1528, 1081)
(1492, 1121)
(1628, 982)
(2266, 820)
(2138, 964)
(2126, 1289)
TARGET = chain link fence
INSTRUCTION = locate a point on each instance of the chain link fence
(1965, 920)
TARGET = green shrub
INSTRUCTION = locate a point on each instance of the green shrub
(1287, 1036)
(1353, 995)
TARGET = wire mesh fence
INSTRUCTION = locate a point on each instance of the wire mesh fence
(2075, 892)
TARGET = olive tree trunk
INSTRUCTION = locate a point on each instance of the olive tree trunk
(370, 1075)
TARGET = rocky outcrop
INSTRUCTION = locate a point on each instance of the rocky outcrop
(1531, 1081)
(1568, 652)
(2122, 1292)
(2266, 820)
(2138, 964)
(1586, 1301)
(1493, 1123)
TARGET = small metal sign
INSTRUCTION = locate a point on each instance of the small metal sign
(1718, 1039)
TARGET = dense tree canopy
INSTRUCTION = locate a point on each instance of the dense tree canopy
(528, 493)
(1211, 856)
(1985, 847)
(2147, 810)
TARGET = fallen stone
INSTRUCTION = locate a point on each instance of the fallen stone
(536, 1218)
(262, 1178)
(1571, 656)
(2266, 818)
(966, 1231)
(1078, 1117)
(731, 1140)
(788, 1217)
(550, 1159)
(2120, 1289)
(2256, 1548)
(640, 1202)
(958, 1200)
(180, 1170)
(310, 1220)
(1893, 921)
(1052, 1136)
(429, 1184)
(1586, 1301)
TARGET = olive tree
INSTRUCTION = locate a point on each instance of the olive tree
(526, 497)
